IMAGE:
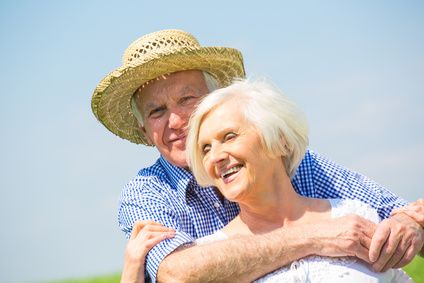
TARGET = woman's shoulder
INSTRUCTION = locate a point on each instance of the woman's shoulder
(342, 207)
(217, 236)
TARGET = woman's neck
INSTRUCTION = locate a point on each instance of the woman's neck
(274, 207)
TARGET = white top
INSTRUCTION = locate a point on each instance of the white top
(314, 269)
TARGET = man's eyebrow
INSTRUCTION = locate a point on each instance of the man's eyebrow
(151, 106)
(189, 89)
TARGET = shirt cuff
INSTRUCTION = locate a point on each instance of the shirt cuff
(164, 248)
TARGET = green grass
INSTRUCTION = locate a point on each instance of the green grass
(113, 278)
(415, 269)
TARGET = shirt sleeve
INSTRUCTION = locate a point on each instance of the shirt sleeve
(320, 177)
(141, 199)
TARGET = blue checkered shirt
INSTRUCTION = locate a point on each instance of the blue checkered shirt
(170, 195)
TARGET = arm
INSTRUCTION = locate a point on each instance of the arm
(144, 199)
(237, 259)
(396, 240)
(141, 200)
(248, 258)
(320, 177)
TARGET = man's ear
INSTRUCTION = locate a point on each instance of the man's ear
(143, 130)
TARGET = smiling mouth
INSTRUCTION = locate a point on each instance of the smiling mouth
(231, 171)
(177, 138)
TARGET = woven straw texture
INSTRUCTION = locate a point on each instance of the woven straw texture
(149, 57)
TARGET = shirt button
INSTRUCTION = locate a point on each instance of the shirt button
(216, 204)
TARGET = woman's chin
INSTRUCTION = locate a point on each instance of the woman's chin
(233, 196)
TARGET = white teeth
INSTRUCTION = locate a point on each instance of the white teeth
(231, 170)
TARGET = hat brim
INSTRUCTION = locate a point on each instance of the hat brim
(111, 100)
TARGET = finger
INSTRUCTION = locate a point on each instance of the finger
(138, 225)
(150, 231)
(365, 242)
(363, 252)
(143, 224)
(407, 257)
(379, 238)
(397, 255)
(158, 238)
(417, 204)
(398, 210)
(415, 214)
(388, 250)
(136, 229)
(417, 208)
(369, 228)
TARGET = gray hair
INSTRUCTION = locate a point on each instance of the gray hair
(282, 127)
(211, 84)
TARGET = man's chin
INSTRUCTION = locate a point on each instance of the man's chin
(178, 159)
(179, 163)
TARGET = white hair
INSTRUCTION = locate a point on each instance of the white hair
(282, 127)
(211, 84)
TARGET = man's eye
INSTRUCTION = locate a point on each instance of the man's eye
(156, 113)
(186, 99)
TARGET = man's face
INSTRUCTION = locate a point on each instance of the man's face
(166, 106)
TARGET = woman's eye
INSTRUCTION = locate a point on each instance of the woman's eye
(229, 136)
(206, 148)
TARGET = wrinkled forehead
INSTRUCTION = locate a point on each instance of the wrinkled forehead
(174, 83)
(170, 88)
(224, 115)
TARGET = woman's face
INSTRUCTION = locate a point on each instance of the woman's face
(232, 152)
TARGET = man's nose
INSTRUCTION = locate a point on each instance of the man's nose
(177, 120)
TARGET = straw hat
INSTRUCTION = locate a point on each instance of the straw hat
(149, 57)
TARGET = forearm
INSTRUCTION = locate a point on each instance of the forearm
(133, 272)
(240, 259)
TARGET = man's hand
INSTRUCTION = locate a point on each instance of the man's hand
(344, 236)
(415, 210)
(395, 243)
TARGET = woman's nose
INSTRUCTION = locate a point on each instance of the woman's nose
(218, 154)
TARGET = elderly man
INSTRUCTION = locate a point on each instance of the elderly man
(149, 101)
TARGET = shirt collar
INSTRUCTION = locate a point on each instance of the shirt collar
(179, 177)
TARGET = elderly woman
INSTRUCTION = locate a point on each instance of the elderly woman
(247, 140)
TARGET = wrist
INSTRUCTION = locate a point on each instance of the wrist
(313, 244)
(133, 272)
(300, 239)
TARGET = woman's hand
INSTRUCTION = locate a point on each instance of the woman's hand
(145, 235)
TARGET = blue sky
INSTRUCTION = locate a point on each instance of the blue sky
(354, 67)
